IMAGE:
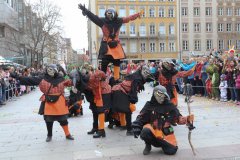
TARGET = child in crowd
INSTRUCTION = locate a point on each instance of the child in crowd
(223, 88)
(237, 80)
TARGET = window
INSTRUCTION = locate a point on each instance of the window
(220, 44)
(208, 11)
(237, 12)
(162, 29)
(132, 30)
(238, 27)
(184, 11)
(237, 44)
(133, 47)
(101, 12)
(124, 46)
(20, 7)
(20, 20)
(185, 45)
(171, 46)
(208, 27)
(196, 11)
(152, 47)
(171, 29)
(142, 30)
(220, 11)
(123, 29)
(132, 11)
(209, 44)
(142, 47)
(229, 11)
(2, 31)
(152, 12)
(229, 27)
(122, 12)
(197, 27)
(229, 43)
(162, 47)
(220, 27)
(170, 12)
(161, 12)
(184, 27)
(152, 29)
(197, 45)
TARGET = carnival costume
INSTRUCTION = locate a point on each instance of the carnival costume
(110, 48)
(53, 104)
(98, 93)
(153, 124)
(124, 95)
(167, 78)
(213, 81)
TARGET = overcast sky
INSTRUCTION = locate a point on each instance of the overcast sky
(74, 23)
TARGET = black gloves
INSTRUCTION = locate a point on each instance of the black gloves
(136, 132)
(83, 8)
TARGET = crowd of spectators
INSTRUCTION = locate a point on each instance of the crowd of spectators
(10, 87)
(214, 77)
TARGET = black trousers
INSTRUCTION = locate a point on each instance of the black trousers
(50, 126)
(129, 121)
(107, 60)
(150, 139)
(95, 120)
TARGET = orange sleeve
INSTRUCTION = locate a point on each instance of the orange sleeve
(131, 18)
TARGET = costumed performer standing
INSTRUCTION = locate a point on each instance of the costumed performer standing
(53, 104)
(110, 48)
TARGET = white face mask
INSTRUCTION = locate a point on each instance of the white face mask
(51, 72)
(145, 72)
(159, 96)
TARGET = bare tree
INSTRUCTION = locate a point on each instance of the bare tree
(43, 26)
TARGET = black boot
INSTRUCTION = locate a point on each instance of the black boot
(49, 138)
(123, 128)
(69, 137)
(110, 126)
(99, 133)
(92, 131)
(147, 149)
(129, 132)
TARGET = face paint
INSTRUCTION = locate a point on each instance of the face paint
(159, 96)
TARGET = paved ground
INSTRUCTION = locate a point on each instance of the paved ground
(23, 133)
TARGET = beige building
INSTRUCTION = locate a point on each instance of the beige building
(152, 37)
(198, 26)
(228, 24)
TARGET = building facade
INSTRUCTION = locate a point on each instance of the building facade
(228, 25)
(8, 27)
(198, 26)
(152, 37)
(21, 34)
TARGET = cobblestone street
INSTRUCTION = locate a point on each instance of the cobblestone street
(23, 134)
